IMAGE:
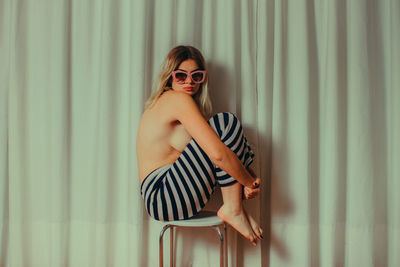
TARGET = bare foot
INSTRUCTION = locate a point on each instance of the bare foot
(239, 221)
(254, 225)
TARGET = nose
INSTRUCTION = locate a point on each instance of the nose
(190, 79)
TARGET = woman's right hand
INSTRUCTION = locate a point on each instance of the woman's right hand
(252, 192)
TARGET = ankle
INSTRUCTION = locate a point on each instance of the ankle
(232, 209)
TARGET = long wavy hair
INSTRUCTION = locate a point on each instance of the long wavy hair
(164, 80)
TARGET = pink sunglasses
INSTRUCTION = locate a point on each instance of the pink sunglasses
(197, 76)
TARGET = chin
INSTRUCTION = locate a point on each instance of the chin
(192, 93)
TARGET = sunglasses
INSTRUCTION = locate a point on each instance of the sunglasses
(197, 76)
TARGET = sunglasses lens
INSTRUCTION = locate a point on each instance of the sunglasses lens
(180, 77)
(197, 76)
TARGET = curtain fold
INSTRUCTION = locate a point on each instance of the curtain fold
(332, 130)
(315, 84)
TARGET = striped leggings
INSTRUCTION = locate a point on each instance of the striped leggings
(180, 190)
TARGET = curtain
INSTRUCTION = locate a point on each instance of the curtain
(335, 98)
(315, 84)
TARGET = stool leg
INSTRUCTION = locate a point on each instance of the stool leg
(161, 245)
(226, 246)
(221, 246)
(171, 257)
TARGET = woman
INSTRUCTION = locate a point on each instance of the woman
(182, 155)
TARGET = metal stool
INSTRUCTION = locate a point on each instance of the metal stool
(203, 219)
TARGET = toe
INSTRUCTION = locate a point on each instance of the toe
(259, 233)
(253, 240)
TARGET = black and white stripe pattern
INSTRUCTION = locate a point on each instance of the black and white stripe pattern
(180, 190)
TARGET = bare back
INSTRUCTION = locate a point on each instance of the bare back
(161, 138)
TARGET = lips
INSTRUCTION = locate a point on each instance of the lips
(188, 88)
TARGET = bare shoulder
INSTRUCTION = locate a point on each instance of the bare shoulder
(173, 97)
(175, 105)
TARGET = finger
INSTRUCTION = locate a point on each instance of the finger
(249, 196)
(251, 192)
(254, 191)
(253, 195)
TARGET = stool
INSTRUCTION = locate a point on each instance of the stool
(203, 219)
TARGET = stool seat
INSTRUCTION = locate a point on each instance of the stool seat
(203, 219)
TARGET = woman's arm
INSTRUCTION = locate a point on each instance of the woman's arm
(183, 108)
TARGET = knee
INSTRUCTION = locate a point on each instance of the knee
(223, 122)
(225, 116)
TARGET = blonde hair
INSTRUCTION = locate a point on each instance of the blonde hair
(164, 80)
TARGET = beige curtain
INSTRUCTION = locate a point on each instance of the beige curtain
(315, 84)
